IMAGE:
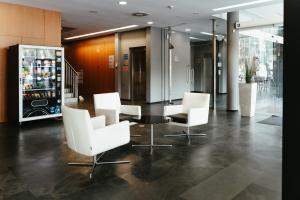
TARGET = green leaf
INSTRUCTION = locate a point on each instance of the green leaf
(249, 70)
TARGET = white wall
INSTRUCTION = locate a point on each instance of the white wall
(156, 63)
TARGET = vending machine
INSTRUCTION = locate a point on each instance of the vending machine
(35, 83)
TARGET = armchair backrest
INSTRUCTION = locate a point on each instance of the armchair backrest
(195, 100)
(107, 100)
(78, 127)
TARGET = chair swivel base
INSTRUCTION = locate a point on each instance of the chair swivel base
(96, 163)
(186, 134)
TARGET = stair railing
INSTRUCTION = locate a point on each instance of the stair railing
(71, 79)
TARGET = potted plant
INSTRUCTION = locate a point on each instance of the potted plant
(248, 89)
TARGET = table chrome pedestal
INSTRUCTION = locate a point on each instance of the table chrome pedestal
(152, 120)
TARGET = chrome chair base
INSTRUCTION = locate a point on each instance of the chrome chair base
(96, 163)
(186, 134)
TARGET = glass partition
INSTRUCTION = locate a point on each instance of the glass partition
(265, 45)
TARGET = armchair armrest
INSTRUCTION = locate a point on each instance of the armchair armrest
(172, 110)
(131, 109)
(98, 121)
(198, 116)
(111, 115)
(110, 137)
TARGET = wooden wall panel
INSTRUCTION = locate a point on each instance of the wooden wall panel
(92, 55)
(9, 20)
(33, 41)
(52, 28)
(36, 28)
(24, 25)
(14, 20)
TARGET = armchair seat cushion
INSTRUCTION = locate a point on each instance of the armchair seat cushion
(124, 117)
(179, 118)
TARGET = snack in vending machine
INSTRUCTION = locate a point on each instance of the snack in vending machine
(57, 109)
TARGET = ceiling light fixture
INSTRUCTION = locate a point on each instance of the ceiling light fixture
(263, 35)
(206, 33)
(194, 38)
(140, 14)
(187, 30)
(93, 11)
(99, 32)
(241, 5)
(122, 3)
(149, 23)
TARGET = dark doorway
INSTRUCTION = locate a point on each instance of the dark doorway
(138, 73)
(203, 67)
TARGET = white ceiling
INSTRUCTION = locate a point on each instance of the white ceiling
(193, 14)
(253, 18)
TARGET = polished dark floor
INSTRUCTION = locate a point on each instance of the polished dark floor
(239, 159)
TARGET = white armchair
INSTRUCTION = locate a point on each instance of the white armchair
(90, 137)
(193, 111)
(109, 104)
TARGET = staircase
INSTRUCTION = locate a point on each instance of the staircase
(69, 96)
(71, 84)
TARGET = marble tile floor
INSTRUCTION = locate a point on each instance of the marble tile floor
(239, 159)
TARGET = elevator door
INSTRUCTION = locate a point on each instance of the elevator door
(203, 74)
(138, 73)
(206, 74)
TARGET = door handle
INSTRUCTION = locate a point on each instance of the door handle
(187, 75)
(192, 75)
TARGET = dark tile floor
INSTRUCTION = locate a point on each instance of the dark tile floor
(239, 159)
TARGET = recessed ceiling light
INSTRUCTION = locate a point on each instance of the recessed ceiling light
(122, 3)
(187, 30)
(140, 14)
(206, 33)
(149, 23)
(99, 32)
(170, 6)
(241, 5)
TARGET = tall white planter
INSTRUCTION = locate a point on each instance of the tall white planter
(247, 98)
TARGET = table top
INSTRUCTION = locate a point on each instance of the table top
(149, 119)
